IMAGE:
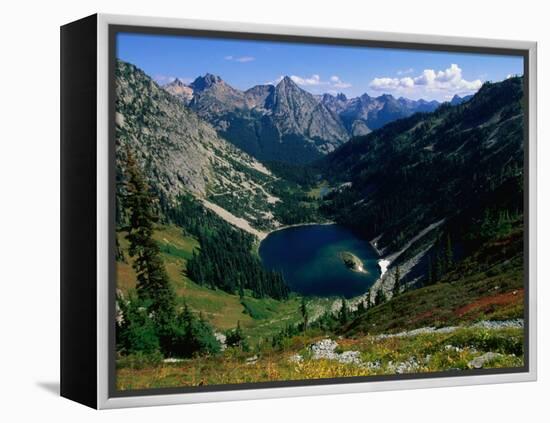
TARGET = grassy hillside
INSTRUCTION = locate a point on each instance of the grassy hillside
(460, 350)
(221, 309)
(259, 317)
(488, 285)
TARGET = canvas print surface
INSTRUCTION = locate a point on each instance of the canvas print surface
(289, 211)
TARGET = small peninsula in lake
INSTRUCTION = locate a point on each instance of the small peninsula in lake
(352, 262)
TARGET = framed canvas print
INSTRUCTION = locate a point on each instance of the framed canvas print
(254, 211)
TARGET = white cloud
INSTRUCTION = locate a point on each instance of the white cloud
(428, 83)
(240, 59)
(315, 81)
(338, 83)
(392, 84)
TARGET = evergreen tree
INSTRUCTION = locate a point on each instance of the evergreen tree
(396, 282)
(153, 286)
(380, 297)
(430, 271)
(191, 335)
(136, 332)
(448, 252)
(241, 290)
(304, 312)
(360, 308)
(344, 312)
(236, 338)
(439, 266)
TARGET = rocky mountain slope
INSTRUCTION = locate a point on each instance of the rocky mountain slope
(280, 122)
(363, 114)
(213, 96)
(435, 185)
(180, 90)
(180, 152)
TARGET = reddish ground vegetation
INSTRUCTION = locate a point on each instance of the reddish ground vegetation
(488, 303)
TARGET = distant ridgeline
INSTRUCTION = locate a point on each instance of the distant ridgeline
(459, 169)
(285, 123)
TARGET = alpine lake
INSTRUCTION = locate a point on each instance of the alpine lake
(323, 260)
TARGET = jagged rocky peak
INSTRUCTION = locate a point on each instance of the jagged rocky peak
(214, 96)
(341, 97)
(180, 89)
(206, 81)
(386, 97)
(362, 114)
(287, 84)
(337, 103)
(286, 80)
(178, 82)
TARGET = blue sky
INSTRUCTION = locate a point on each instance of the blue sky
(316, 68)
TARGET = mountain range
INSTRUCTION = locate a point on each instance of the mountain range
(363, 114)
(285, 123)
(272, 123)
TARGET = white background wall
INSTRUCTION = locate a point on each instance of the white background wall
(29, 211)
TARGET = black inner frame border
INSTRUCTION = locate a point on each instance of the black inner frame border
(115, 29)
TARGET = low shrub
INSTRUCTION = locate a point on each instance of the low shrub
(506, 341)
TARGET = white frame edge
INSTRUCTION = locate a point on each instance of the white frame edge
(103, 399)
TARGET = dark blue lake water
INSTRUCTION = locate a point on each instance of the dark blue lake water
(308, 257)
